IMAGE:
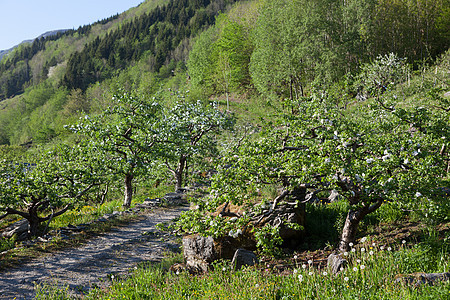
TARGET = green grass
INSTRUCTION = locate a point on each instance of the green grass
(369, 275)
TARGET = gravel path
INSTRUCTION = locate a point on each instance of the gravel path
(113, 253)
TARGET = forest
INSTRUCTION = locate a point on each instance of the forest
(260, 103)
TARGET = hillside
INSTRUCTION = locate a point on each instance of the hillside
(295, 128)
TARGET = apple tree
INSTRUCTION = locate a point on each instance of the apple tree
(125, 136)
(44, 186)
(191, 130)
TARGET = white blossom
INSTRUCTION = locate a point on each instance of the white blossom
(363, 267)
(304, 266)
(369, 160)
(346, 279)
(418, 194)
(300, 277)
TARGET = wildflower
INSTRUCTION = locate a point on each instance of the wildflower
(325, 273)
(224, 269)
(295, 271)
(355, 269)
(364, 239)
(256, 285)
(304, 266)
(363, 249)
(358, 261)
(310, 273)
(382, 248)
(373, 244)
(310, 262)
(389, 248)
(295, 256)
(403, 242)
(371, 252)
(418, 194)
(406, 161)
(353, 250)
(327, 160)
(346, 253)
(415, 153)
(346, 279)
(363, 267)
(369, 160)
(350, 244)
(300, 277)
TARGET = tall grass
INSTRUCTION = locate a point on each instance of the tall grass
(370, 274)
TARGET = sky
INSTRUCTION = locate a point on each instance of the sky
(27, 19)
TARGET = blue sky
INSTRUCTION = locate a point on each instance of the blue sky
(27, 19)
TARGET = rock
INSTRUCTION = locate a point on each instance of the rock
(198, 252)
(174, 199)
(19, 228)
(422, 278)
(242, 258)
(335, 262)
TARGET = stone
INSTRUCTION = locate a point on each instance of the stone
(198, 252)
(335, 263)
(242, 258)
(417, 279)
(174, 199)
(19, 228)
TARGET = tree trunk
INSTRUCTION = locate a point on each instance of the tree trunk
(350, 228)
(179, 172)
(33, 222)
(128, 190)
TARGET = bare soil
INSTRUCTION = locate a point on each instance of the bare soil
(116, 253)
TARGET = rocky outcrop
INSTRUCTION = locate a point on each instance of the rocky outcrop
(198, 252)
(336, 263)
(417, 279)
(243, 258)
(18, 229)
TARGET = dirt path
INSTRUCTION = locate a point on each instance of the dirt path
(113, 253)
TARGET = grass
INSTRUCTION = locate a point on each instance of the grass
(369, 275)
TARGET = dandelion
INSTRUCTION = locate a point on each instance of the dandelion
(304, 266)
(363, 267)
(295, 257)
(224, 269)
(310, 273)
(364, 239)
(353, 250)
(300, 277)
(389, 248)
(382, 248)
(403, 242)
(345, 253)
(350, 244)
(355, 269)
(295, 271)
(310, 262)
(325, 273)
(371, 252)
(346, 279)
(373, 244)
(363, 249)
